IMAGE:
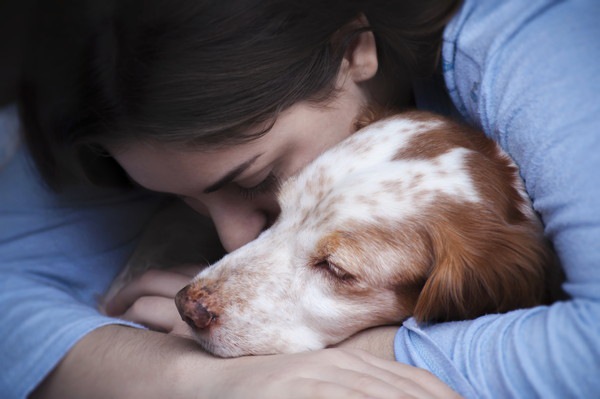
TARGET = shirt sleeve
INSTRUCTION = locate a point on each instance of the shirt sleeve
(58, 254)
(527, 73)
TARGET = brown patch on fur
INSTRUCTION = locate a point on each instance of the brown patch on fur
(367, 200)
(482, 264)
(437, 140)
(494, 175)
(394, 186)
(415, 181)
(497, 179)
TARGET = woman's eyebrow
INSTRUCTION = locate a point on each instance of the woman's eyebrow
(232, 174)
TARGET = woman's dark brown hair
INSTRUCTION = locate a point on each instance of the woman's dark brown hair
(200, 72)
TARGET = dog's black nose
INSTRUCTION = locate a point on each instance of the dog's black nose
(192, 311)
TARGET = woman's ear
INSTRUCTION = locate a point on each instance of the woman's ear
(360, 57)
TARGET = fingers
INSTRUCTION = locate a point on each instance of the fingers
(319, 389)
(152, 283)
(190, 270)
(370, 382)
(338, 373)
(157, 313)
(374, 346)
(412, 380)
(358, 371)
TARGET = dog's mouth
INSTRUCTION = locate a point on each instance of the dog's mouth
(208, 344)
(227, 344)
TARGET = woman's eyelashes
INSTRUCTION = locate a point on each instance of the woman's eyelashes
(269, 185)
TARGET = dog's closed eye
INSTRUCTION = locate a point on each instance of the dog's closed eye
(334, 270)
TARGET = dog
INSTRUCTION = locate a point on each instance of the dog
(412, 215)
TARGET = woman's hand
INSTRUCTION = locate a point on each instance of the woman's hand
(148, 299)
(329, 373)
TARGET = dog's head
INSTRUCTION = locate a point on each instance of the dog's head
(413, 215)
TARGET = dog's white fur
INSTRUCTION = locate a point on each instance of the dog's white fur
(412, 215)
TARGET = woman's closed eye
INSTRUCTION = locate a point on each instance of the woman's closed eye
(269, 184)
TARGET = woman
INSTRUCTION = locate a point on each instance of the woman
(215, 103)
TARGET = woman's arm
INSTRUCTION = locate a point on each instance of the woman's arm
(527, 73)
(121, 362)
(58, 253)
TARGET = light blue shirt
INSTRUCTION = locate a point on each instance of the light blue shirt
(525, 71)
(58, 253)
(528, 74)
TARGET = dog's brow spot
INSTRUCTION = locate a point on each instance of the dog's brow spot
(326, 219)
(335, 199)
(368, 200)
(324, 180)
(304, 217)
(394, 186)
(420, 196)
(415, 181)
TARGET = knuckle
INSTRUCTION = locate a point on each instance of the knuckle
(351, 355)
(150, 275)
(341, 353)
(318, 389)
(140, 305)
(362, 381)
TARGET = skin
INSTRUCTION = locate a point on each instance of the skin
(104, 362)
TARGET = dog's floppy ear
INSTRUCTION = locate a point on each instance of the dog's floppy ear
(481, 266)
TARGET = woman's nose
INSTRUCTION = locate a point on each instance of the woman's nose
(239, 222)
